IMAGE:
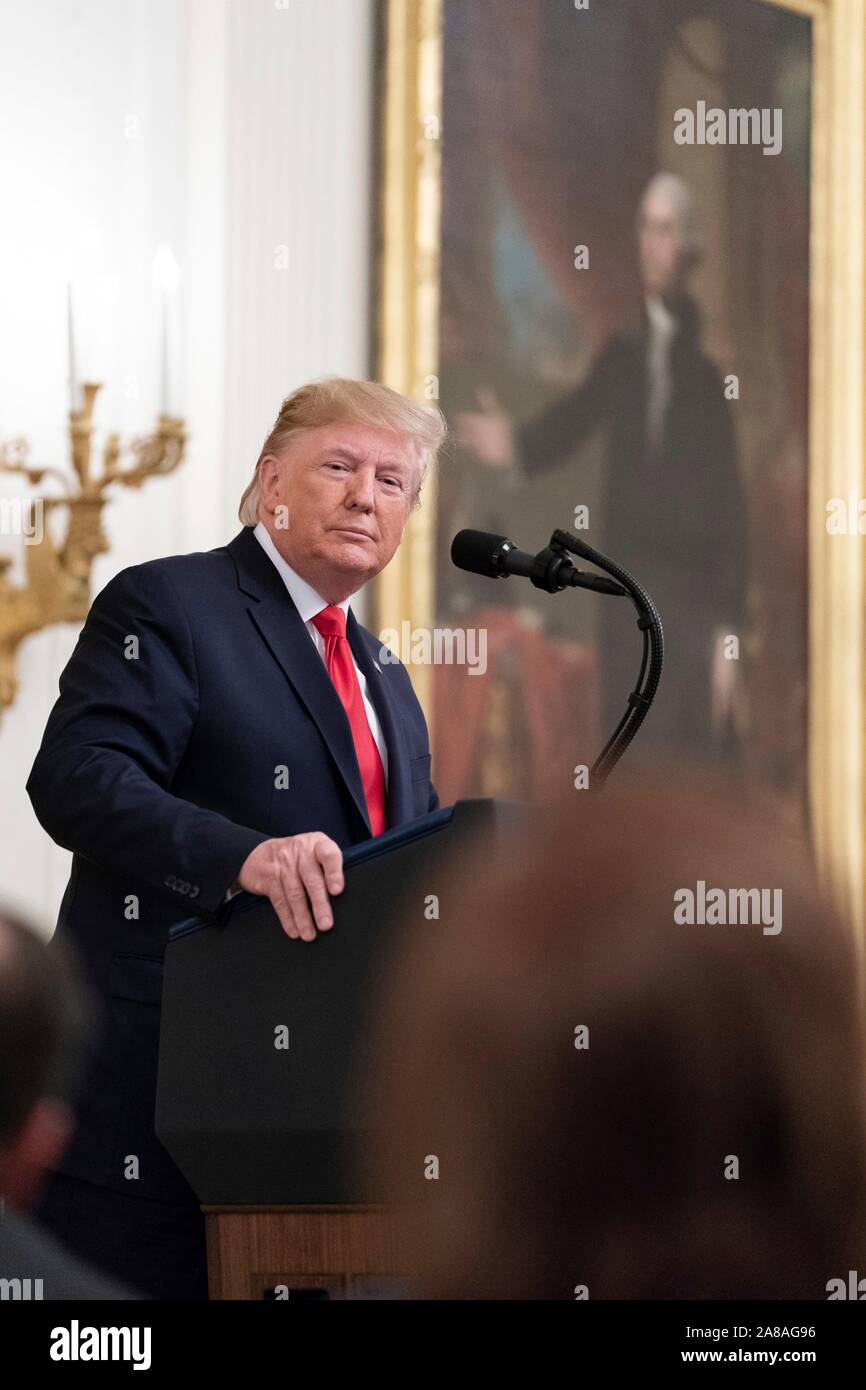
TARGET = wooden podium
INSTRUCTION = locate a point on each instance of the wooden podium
(260, 1041)
(299, 1252)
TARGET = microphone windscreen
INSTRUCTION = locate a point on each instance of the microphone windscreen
(478, 552)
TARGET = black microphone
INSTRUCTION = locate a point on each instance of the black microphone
(496, 557)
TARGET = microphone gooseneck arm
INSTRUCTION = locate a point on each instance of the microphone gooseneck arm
(650, 624)
(496, 557)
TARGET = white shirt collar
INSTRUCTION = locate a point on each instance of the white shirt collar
(305, 598)
(660, 317)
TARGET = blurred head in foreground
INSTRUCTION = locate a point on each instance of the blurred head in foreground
(586, 1094)
(41, 1033)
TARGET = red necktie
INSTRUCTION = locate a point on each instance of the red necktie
(331, 623)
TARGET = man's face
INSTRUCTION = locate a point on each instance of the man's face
(659, 244)
(335, 502)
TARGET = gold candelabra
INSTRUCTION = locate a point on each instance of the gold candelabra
(56, 588)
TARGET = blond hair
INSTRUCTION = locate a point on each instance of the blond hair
(336, 399)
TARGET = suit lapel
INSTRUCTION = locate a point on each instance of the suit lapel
(279, 623)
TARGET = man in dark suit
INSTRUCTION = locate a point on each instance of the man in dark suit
(673, 504)
(224, 723)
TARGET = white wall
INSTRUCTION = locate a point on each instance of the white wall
(230, 129)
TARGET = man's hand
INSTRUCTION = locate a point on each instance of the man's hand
(291, 869)
(488, 431)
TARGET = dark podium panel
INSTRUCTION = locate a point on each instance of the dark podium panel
(252, 1123)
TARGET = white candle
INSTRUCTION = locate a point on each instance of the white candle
(163, 376)
(74, 396)
(166, 277)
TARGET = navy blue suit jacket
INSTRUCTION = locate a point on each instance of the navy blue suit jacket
(159, 769)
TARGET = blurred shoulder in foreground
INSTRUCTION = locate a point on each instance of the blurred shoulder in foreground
(627, 1061)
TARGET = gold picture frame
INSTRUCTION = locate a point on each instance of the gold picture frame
(407, 359)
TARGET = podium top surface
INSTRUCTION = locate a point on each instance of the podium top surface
(376, 846)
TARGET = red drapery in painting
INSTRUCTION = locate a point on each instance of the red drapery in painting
(555, 686)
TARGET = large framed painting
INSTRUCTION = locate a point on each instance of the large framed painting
(622, 245)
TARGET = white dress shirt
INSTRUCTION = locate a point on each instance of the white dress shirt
(662, 328)
(308, 604)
